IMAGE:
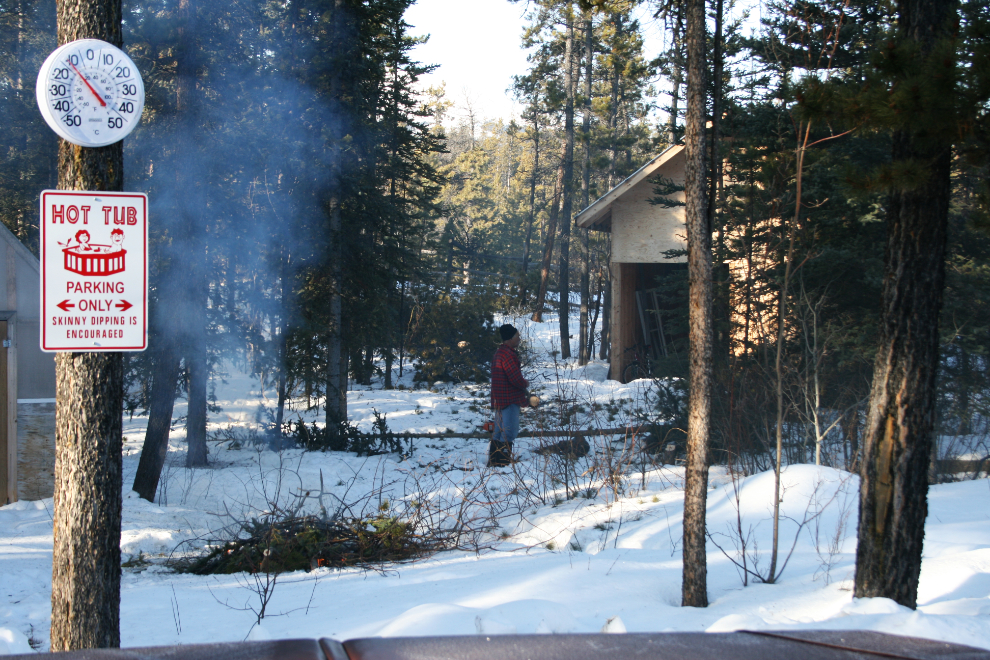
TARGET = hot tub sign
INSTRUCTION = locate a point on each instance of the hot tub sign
(94, 269)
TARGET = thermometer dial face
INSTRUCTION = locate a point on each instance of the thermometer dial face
(90, 93)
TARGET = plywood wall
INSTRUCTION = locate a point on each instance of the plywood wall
(641, 232)
(35, 450)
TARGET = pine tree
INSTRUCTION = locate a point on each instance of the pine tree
(88, 441)
(694, 587)
(900, 422)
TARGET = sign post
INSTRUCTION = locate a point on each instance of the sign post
(94, 271)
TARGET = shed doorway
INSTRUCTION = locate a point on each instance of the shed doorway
(651, 314)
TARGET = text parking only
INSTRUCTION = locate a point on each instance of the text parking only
(94, 271)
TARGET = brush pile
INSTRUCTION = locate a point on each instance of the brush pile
(309, 542)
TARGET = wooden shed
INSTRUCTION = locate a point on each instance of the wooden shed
(27, 379)
(641, 233)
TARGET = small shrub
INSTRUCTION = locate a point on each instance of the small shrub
(453, 336)
(347, 437)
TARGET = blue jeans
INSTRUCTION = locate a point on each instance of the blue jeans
(506, 430)
(506, 424)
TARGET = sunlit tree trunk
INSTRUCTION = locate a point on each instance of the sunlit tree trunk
(90, 391)
(694, 586)
(897, 439)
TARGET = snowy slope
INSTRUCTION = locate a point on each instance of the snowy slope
(565, 565)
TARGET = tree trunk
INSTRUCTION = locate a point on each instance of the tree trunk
(541, 295)
(283, 346)
(603, 349)
(897, 439)
(280, 388)
(172, 305)
(678, 76)
(613, 106)
(593, 323)
(402, 324)
(714, 161)
(340, 45)
(196, 279)
(583, 349)
(197, 367)
(532, 206)
(162, 402)
(335, 357)
(198, 373)
(90, 394)
(694, 588)
(88, 481)
(850, 433)
(567, 191)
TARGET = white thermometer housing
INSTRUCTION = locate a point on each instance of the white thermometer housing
(90, 93)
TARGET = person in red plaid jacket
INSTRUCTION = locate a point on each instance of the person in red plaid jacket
(508, 396)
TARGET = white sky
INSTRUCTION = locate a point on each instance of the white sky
(477, 45)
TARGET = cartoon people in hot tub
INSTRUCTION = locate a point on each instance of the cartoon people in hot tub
(80, 242)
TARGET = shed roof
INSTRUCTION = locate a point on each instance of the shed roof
(599, 214)
(19, 248)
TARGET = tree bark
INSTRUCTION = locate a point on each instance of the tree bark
(678, 76)
(567, 191)
(897, 439)
(335, 373)
(90, 394)
(541, 294)
(583, 348)
(171, 310)
(283, 351)
(341, 45)
(532, 205)
(613, 106)
(88, 481)
(714, 161)
(155, 447)
(694, 586)
(197, 373)
(603, 348)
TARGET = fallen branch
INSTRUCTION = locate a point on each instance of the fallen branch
(535, 433)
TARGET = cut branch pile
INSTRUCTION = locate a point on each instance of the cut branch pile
(309, 542)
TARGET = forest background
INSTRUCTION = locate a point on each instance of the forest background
(318, 217)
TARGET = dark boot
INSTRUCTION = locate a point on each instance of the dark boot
(499, 453)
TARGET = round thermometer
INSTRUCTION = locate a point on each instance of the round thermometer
(90, 93)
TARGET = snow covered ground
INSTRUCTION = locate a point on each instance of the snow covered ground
(551, 564)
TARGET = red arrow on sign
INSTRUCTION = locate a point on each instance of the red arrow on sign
(65, 305)
(123, 305)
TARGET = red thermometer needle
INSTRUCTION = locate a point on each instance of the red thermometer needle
(95, 93)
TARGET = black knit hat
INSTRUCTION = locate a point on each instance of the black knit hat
(507, 331)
